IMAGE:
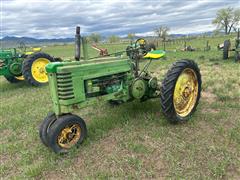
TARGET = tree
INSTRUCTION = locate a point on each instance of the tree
(227, 19)
(94, 37)
(216, 32)
(113, 39)
(131, 36)
(162, 32)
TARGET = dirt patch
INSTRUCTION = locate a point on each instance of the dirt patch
(212, 111)
(11, 168)
(232, 119)
(109, 158)
(209, 96)
(233, 172)
(4, 158)
(205, 127)
(53, 175)
(4, 135)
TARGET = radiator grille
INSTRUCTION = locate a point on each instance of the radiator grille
(65, 86)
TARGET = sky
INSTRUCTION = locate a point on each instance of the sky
(58, 18)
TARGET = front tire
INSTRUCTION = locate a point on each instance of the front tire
(66, 132)
(14, 79)
(181, 90)
(44, 128)
(33, 68)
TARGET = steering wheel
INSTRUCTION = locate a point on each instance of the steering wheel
(141, 45)
(140, 42)
(22, 46)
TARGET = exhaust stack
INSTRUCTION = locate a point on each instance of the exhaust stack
(77, 44)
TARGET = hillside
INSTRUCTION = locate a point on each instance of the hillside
(12, 41)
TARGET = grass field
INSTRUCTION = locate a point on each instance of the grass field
(133, 140)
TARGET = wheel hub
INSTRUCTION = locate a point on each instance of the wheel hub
(185, 92)
(38, 70)
(69, 136)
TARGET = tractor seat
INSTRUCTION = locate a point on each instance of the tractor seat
(36, 49)
(156, 54)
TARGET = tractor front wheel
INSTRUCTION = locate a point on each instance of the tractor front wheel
(44, 127)
(33, 68)
(66, 132)
(14, 79)
(181, 90)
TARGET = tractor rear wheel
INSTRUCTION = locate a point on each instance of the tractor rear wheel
(33, 68)
(14, 79)
(226, 47)
(180, 90)
(44, 127)
(237, 56)
(66, 132)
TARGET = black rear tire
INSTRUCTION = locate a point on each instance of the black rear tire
(44, 128)
(27, 67)
(60, 124)
(237, 56)
(226, 47)
(168, 87)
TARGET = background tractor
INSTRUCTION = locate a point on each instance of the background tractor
(236, 49)
(18, 65)
(77, 84)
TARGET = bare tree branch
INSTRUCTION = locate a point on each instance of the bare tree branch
(227, 19)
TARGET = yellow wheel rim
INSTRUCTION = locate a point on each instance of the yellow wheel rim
(69, 136)
(185, 92)
(21, 78)
(38, 70)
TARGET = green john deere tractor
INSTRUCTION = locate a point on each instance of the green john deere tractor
(75, 85)
(17, 66)
(227, 48)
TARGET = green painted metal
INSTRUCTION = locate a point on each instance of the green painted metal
(10, 63)
(139, 88)
(76, 84)
(81, 83)
(52, 67)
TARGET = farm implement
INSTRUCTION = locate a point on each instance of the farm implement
(29, 66)
(227, 48)
(102, 51)
(80, 83)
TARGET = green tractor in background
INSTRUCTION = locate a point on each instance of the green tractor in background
(78, 84)
(236, 49)
(19, 65)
